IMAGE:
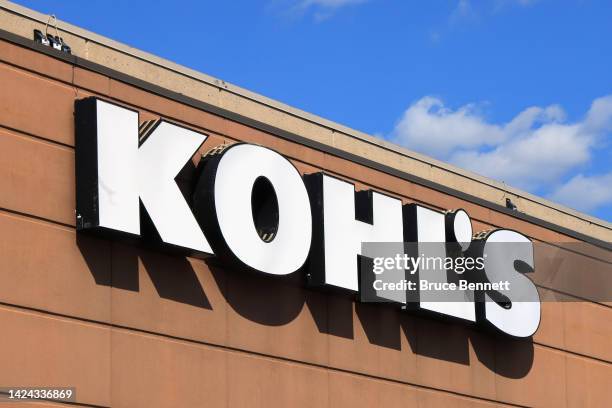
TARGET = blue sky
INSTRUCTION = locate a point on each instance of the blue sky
(517, 90)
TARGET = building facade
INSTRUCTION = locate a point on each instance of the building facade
(127, 325)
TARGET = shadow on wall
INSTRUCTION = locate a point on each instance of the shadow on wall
(274, 301)
(173, 276)
(280, 301)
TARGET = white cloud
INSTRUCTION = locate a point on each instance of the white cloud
(463, 9)
(324, 9)
(319, 10)
(534, 149)
(470, 10)
(586, 193)
(538, 157)
(430, 127)
(330, 3)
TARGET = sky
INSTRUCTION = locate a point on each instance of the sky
(516, 90)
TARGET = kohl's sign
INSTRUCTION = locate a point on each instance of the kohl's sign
(251, 207)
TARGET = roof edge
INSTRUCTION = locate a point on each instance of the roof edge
(286, 109)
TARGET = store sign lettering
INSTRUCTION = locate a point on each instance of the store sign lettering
(252, 208)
